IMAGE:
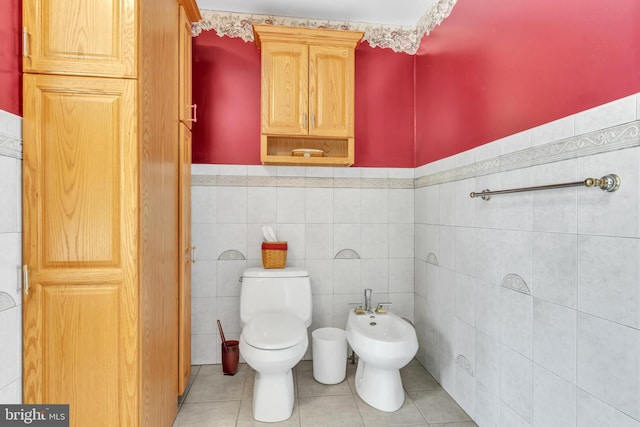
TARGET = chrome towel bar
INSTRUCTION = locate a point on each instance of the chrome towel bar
(609, 183)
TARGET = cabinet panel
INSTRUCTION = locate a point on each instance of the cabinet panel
(285, 74)
(184, 335)
(77, 342)
(80, 37)
(331, 88)
(80, 250)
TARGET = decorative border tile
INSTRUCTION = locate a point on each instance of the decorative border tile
(398, 38)
(515, 283)
(6, 302)
(611, 139)
(231, 255)
(295, 181)
(432, 259)
(464, 363)
(10, 146)
(347, 254)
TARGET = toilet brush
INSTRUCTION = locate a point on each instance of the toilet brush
(224, 341)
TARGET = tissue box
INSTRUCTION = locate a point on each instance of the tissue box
(274, 254)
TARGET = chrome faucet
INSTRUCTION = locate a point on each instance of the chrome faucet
(367, 300)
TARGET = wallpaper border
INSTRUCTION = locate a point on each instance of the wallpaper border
(398, 38)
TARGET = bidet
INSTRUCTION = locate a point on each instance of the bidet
(384, 343)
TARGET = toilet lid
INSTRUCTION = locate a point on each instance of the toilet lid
(274, 331)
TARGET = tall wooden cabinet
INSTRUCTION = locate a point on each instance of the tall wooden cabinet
(101, 198)
(307, 99)
(187, 115)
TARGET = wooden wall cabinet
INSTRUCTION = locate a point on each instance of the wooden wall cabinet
(102, 184)
(307, 100)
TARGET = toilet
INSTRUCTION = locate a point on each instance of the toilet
(275, 312)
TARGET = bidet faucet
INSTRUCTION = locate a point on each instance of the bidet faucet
(367, 300)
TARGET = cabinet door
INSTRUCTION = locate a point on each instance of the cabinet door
(187, 110)
(285, 74)
(80, 210)
(184, 347)
(80, 37)
(331, 90)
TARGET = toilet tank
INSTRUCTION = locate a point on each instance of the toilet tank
(277, 289)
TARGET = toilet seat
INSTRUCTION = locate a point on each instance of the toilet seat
(274, 331)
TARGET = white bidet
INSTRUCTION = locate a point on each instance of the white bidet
(384, 343)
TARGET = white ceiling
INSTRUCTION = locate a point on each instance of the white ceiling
(386, 12)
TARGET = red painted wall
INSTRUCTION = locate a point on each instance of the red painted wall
(226, 81)
(384, 108)
(10, 56)
(497, 67)
(226, 88)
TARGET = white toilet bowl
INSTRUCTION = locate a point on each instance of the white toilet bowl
(384, 343)
(272, 344)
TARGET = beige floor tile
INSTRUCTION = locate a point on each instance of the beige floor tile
(407, 415)
(214, 399)
(208, 414)
(304, 365)
(417, 378)
(461, 424)
(245, 417)
(247, 394)
(208, 387)
(438, 407)
(308, 386)
(333, 411)
(194, 372)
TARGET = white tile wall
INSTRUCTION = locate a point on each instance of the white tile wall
(10, 262)
(317, 221)
(568, 353)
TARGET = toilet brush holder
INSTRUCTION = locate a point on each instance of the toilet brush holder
(230, 357)
(230, 353)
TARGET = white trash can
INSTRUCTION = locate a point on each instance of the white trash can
(329, 350)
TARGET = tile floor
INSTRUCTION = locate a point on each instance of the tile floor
(213, 399)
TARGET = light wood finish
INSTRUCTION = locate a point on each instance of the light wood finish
(187, 118)
(276, 150)
(101, 205)
(77, 37)
(81, 246)
(307, 90)
(331, 91)
(186, 108)
(285, 88)
(184, 347)
(159, 203)
(191, 8)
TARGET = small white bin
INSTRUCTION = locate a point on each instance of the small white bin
(329, 349)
